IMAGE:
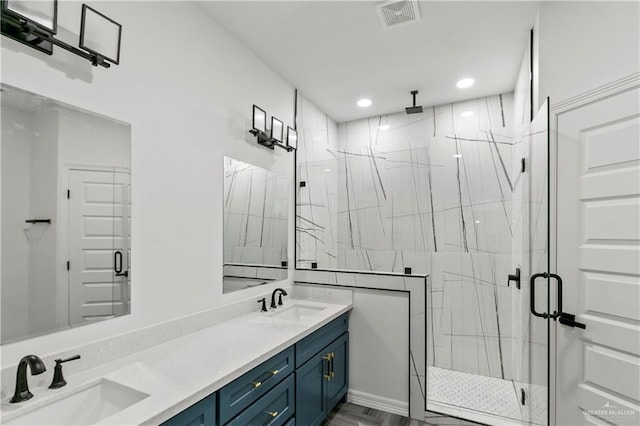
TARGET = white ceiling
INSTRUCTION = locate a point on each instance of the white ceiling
(336, 52)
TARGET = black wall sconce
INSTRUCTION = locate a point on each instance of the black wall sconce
(276, 132)
(34, 23)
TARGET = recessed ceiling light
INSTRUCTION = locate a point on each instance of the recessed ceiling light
(327, 170)
(383, 127)
(477, 221)
(363, 103)
(457, 155)
(465, 82)
(467, 114)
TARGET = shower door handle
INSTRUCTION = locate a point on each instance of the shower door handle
(532, 284)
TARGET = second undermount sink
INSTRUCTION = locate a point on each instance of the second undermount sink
(298, 312)
(86, 406)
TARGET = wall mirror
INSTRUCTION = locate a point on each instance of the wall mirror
(255, 225)
(65, 231)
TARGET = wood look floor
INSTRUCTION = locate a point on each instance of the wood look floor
(348, 414)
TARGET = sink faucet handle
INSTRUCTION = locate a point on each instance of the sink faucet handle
(264, 304)
(58, 379)
(280, 299)
(73, 358)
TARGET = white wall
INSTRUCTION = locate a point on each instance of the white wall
(188, 97)
(87, 139)
(379, 349)
(583, 45)
(42, 238)
(16, 166)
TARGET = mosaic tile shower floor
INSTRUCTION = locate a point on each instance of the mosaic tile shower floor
(486, 395)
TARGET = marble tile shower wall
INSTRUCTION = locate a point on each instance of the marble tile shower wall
(432, 193)
(255, 211)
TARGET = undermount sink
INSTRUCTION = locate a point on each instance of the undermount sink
(298, 312)
(83, 407)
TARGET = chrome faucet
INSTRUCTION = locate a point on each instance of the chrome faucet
(273, 297)
(22, 386)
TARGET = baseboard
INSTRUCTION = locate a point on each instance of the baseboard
(378, 402)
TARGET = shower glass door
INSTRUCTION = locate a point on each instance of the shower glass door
(487, 355)
(536, 294)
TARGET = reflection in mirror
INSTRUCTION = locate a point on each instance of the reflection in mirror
(255, 225)
(65, 216)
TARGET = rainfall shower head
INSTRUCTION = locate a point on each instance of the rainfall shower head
(414, 109)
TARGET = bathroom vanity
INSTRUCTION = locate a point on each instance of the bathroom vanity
(299, 385)
(282, 367)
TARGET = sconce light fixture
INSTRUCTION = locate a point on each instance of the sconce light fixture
(292, 138)
(276, 132)
(34, 23)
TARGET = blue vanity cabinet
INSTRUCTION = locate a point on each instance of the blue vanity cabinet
(274, 409)
(316, 341)
(202, 413)
(322, 380)
(311, 390)
(251, 386)
(338, 370)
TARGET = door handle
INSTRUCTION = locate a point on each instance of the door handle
(570, 321)
(557, 313)
(117, 264)
(328, 370)
(532, 284)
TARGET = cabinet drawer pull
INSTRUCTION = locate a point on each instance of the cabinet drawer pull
(273, 413)
(274, 372)
(328, 377)
(326, 358)
(256, 384)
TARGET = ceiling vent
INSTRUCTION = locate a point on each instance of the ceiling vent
(397, 13)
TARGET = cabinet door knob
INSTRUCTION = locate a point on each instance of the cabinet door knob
(328, 377)
(273, 413)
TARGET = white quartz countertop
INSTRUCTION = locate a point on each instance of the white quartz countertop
(182, 371)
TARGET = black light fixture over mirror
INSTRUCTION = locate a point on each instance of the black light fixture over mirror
(44, 14)
(34, 23)
(292, 138)
(276, 132)
(259, 120)
(277, 127)
(100, 35)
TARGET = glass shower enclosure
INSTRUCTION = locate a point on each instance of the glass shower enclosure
(491, 363)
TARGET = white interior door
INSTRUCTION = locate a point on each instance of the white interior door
(98, 228)
(122, 240)
(598, 257)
